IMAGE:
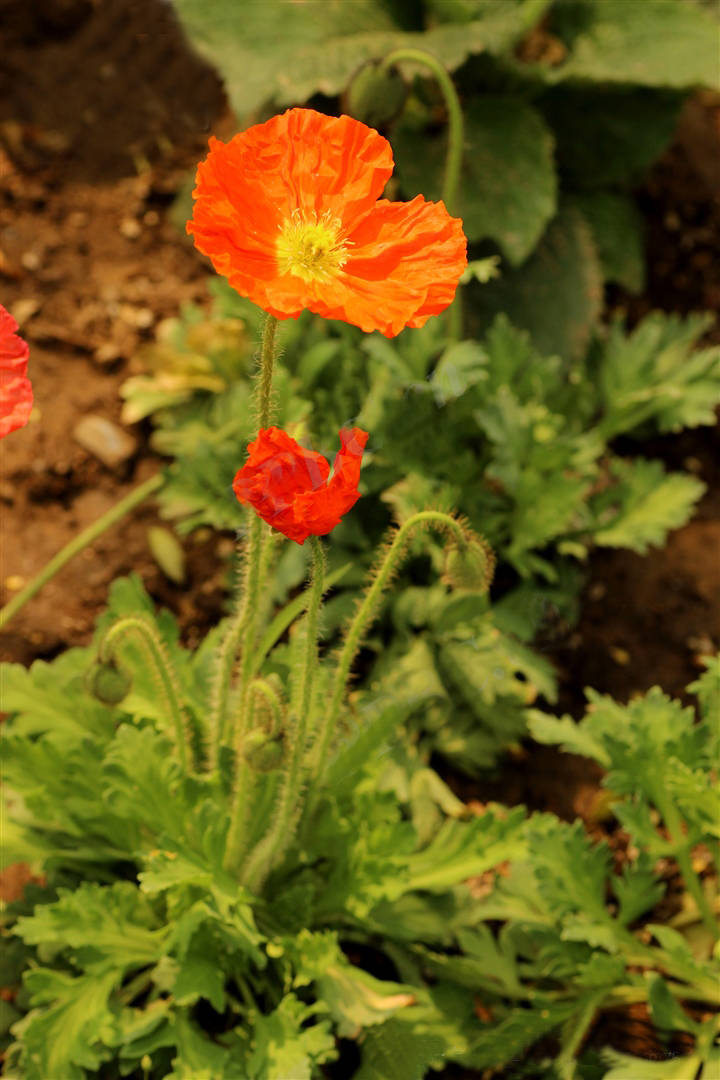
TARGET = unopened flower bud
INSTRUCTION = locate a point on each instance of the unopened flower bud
(375, 96)
(470, 566)
(109, 684)
(263, 752)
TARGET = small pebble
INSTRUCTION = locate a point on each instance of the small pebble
(14, 582)
(105, 440)
(130, 228)
(30, 260)
(107, 353)
(620, 656)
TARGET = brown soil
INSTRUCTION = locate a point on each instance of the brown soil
(89, 263)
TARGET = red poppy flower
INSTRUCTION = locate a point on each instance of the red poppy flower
(288, 486)
(16, 395)
(288, 212)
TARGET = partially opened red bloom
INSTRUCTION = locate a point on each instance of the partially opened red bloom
(288, 211)
(288, 486)
(16, 396)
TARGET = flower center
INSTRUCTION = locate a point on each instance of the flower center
(311, 247)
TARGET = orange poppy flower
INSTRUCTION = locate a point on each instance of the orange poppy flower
(16, 397)
(288, 485)
(288, 211)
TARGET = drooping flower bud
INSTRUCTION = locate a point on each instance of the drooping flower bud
(109, 684)
(263, 752)
(469, 566)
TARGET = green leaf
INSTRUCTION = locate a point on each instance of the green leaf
(198, 1058)
(463, 849)
(653, 374)
(52, 697)
(357, 1000)
(508, 1040)
(396, 1050)
(707, 687)
(323, 44)
(103, 925)
(626, 1067)
(615, 46)
(571, 874)
(508, 186)
(556, 295)
(667, 1012)
(645, 505)
(638, 889)
(286, 1045)
(565, 732)
(461, 365)
(65, 1039)
(200, 975)
(617, 229)
(608, 136)
(168, 553)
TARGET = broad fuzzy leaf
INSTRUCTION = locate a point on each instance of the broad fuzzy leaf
(608, 136)
(323, 44)
(614, 44)
(508, 187)
(556, 294)
(617, 229)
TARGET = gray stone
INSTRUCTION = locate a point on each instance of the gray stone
(108, 442)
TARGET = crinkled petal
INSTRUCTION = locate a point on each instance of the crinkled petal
(16, 397)
(405, 264)
(288, 486)
(248, 188)
(321, 510)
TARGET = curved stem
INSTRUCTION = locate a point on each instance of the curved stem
(453, 160)
(154, 650)
(276, 840)
(366, 613)
(456, 135)
(78, 543)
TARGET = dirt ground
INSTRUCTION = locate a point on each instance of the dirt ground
(90, 263)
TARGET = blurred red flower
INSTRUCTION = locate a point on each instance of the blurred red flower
(288, 485)
(16, 397)
(288, 211)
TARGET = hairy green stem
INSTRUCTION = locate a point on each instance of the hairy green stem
(78, 543)
(367, 612)
(154, 651)
(279, 835)
(263, 388)
(240, 634)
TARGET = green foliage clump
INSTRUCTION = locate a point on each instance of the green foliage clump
(147, 952)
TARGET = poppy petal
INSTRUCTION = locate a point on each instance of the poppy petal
(288, 486)
(288, 212)
(16, 396)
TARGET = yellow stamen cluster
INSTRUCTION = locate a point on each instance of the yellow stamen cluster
(311, 247)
